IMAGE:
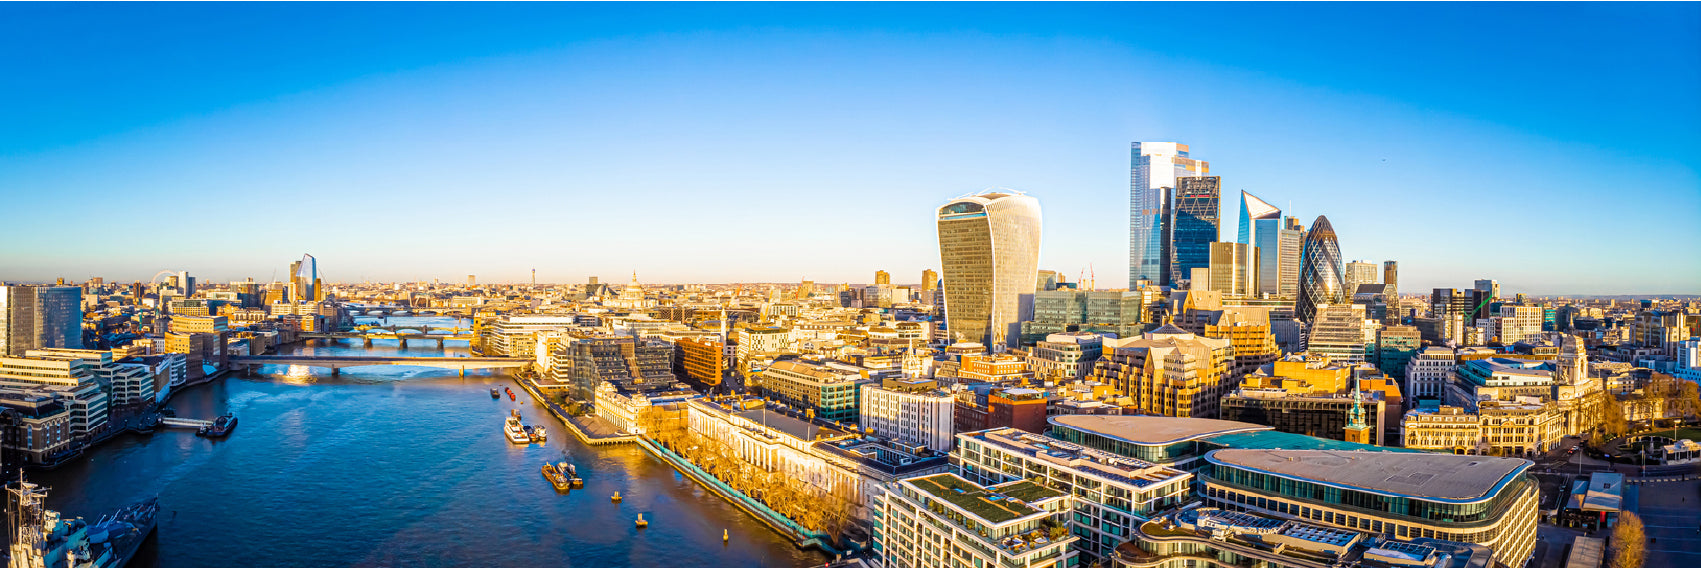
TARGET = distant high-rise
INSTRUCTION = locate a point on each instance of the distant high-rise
(472, 279)
(1359, 272)
(882, 277)
(989, 252)
(1489, 287)
(40, 317)
(1193, 224)
(1155, 166)
(1391, 277)
(929, 279)
(1261, 227)
(1290, 242)
(1234, 269)
(1253, 210)
(303, 274)
(1320, 281)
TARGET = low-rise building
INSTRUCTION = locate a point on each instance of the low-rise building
(829, 392)
(908, 411)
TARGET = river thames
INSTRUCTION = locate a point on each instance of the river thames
(399, 466)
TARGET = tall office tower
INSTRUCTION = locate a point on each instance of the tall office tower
(1234, 269)
(1391, 277)
(929, 279)
(1253, 210)
(805, 289)
(472, 279)
(1155, 166)
(1261, 226)
(40, 317)
(1290, 242)
(882, 277)
(1338, 331)
(1319, 272)
(1359, 272)
(1489, 287)
(1192, 224)
(303, 274)
(989, 251)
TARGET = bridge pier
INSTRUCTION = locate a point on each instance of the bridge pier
(336, 371)
(368, 342)
(439, 345)
(404, 341)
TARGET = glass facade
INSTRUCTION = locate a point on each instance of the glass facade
(1320, 278)
(1154, 169)
(1391, 504)
(989, 253)
(1193, 224)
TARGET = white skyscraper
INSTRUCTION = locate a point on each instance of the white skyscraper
(1155, 165)
(989, 255)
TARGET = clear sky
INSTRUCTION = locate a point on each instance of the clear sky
(1553, 147)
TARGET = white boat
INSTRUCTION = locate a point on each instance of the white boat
(516, 433)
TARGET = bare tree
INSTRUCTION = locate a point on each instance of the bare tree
(1629, 542)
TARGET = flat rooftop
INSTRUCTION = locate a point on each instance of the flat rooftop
(1423, 475)
(1154, 430)
(799, 429)
(991, 507)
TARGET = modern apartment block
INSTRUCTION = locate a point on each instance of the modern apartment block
(945, 520)
(1113, 494)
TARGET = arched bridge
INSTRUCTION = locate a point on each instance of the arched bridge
(335, 363)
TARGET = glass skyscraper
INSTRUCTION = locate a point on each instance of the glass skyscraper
(1193, 224)
(1320, 281)
(40, 317)
(1155, 166)
(1261, 226)
(989, 254)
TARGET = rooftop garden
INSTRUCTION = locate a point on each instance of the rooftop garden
(972, 498)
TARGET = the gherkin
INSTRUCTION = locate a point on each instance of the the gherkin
(1320, 273)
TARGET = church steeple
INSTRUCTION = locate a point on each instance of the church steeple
(1356, 430)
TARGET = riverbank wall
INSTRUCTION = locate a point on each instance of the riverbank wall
(802, 537)
(568, 419)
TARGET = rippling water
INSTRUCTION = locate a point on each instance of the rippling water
(398, 466)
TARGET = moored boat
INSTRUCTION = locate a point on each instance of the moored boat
(221, 427)
(495, 394)
(515, 432)
(538, 434)
(573, 474)
(555, 476)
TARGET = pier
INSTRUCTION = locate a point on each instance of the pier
(192, 423)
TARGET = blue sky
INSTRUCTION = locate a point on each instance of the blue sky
(1553, 147)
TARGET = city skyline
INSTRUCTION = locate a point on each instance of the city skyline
(633, 135)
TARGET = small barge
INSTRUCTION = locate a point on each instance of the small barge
(556, 476)
(220, 427)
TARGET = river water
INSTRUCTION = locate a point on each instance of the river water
(399, 466)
